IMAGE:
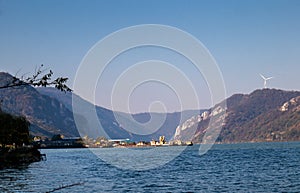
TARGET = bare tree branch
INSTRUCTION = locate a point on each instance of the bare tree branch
(66, 186)
(39, 79)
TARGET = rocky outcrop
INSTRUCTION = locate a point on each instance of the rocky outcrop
(19, 156)
(294, 103)
(263, 115)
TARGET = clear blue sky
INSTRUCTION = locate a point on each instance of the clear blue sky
(245, 37)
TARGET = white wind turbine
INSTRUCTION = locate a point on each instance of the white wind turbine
(265, 80)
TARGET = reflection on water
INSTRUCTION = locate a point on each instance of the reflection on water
(261, 167)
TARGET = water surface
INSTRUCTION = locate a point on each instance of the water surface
(256, 167)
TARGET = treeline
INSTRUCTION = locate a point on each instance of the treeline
(14, 130)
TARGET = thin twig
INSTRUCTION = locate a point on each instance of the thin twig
(39, 78)
(65, 186)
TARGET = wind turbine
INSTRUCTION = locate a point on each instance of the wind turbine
(265, 80)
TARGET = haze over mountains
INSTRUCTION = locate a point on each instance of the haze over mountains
(50, 112)
(114, 128)
(263, 115)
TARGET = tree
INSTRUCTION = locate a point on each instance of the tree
(21, 131)
(57, 137)
(5, 134)
(14, 130)
(39, 78)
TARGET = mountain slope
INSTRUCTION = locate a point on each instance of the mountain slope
(116, 129)
(254, 117)
(47, 116)
(263, 115)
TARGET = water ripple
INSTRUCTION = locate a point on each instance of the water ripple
(262, 167)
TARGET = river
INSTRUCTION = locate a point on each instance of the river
(248, 167)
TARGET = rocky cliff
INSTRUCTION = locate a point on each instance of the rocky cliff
(263, 115)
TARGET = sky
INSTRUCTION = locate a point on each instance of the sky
(245, 38)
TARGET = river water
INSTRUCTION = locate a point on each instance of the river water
(255, 167)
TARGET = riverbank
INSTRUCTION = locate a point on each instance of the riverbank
(11, 157)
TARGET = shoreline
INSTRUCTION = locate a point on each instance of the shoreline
(154, 146)
(19, 156)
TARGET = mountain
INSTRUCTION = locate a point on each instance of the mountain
(63, 97)
(50, 112)
(46, 115)
(263, 115)
(119, 124)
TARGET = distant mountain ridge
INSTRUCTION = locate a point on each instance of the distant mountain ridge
(50, 112)
(111, 125)
(263, 115)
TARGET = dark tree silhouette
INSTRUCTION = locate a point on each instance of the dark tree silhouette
(14, 130)
(57, 137)
(39, 78)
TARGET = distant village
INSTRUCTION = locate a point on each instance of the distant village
(59, 141)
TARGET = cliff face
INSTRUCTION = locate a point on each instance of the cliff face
(263, 115)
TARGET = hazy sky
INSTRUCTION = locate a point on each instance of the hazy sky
(245, 37)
